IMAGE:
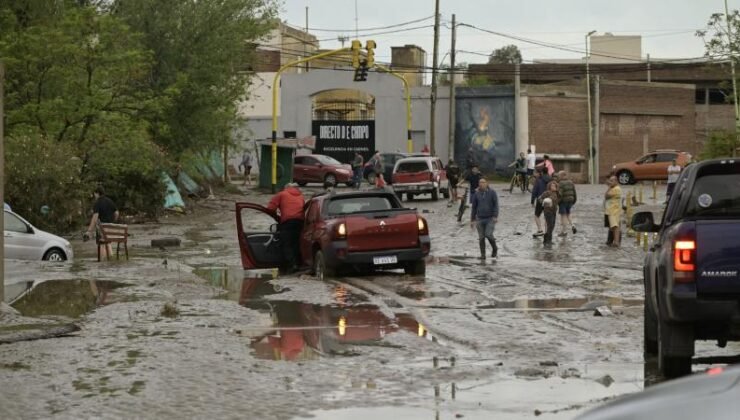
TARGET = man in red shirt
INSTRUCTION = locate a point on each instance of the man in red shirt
(288, 203)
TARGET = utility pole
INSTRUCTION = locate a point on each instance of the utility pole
(451, 146)
(590, 128)
(649, 77)
(435, 57)
(306, 41)
(734, 81)
(357, 30)
(2, 185)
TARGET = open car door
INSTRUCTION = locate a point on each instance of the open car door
(259, 243)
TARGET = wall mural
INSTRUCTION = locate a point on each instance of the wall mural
(484, 126)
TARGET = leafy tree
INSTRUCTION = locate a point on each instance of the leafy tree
(509, 54)
(719, 144)
(720, 47)
(200, 54)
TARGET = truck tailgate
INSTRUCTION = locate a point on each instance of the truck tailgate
(411, 177)
(718, 257)
(382, 230)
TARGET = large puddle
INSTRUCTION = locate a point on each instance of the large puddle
(304, 331)
(67, 298)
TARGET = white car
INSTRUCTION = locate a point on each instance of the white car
(25, 242)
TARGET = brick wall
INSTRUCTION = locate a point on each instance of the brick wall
(713, 118)
(558, 125)
(636, 114)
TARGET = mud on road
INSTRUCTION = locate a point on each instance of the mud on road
(185, 332)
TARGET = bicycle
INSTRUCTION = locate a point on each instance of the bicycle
(517, 181)
(463, 205)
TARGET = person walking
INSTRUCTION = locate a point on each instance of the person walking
(540, 186)
(568, 198)
(247, 164)
(531, 162)
(484, 216)
(377, 164)
(104, 211)
(358, 163)
(453, 176)
(550, 200)
(674, 171)
(289, 203)
(474, 179)
(613, 212)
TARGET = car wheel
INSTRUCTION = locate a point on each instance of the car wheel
(321, 270)
(371, 178)
(671, 365)
(650, 331)
(416, 268)
(55, 254)
(302, 184)
(625, 177)
(331, 178)
(435, 194)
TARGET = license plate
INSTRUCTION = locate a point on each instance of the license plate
(385, 260)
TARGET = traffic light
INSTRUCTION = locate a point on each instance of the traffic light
(370, 53)
(361, 72)
(356, 46)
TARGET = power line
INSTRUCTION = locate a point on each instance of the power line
(377, 28)
(415, 28)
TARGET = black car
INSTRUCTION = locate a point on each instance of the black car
(692, 272)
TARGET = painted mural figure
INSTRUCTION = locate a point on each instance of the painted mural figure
(480, 134)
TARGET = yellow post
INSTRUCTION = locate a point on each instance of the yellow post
(628, 213)
(655, 190)
(275, 85)
(638, 237)
(641, 190)
(409, 143)
(645, 241)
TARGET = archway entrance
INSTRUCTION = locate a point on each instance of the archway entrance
(343, 122)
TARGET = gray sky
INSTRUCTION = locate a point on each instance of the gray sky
(667, 26)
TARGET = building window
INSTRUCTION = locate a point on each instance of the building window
(718, 96)
(701, 96)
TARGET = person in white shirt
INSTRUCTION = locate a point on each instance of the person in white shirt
(673, 172)
(531, 161)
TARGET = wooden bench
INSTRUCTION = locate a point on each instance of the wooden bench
(113, 233)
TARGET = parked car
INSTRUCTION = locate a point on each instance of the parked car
(320, 169)
(651, 167)
(23, 241)
(709, 395)
(363, 229)
(692, 273)
(389, 162)
(420, 175)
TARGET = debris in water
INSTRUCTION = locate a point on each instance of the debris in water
(606, 380)
(603, 311)
(170, 310)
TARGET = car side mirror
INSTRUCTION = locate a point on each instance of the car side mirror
(274, 228)
(644, 222)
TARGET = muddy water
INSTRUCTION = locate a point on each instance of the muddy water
(67, 298)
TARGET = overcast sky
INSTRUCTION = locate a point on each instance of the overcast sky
(667, 26)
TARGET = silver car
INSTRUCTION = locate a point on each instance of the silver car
(25, 242)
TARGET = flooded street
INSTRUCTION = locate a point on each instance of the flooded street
(185, 332)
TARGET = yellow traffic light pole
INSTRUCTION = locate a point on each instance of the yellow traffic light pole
(370, 62)
(409, 142)
(275, 85)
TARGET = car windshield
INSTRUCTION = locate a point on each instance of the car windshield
(419, 166)
(715, 195)
(349, 205)
(328, 160)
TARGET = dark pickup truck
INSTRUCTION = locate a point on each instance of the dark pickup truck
(692, 273)
(364, 229)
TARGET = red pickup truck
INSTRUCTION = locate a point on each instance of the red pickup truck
(363, 229)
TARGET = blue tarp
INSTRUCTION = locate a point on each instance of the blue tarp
(173, 199)
(187, 183)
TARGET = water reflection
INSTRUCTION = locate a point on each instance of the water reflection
(70, 298)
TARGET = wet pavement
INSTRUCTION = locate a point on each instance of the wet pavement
(184, 331)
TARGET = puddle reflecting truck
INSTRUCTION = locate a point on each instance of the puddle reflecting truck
(692, 272)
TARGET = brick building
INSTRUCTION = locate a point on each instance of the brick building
(678, 109)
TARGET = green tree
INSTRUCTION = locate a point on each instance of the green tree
(719, 144)
(200, 53)
(508, 54)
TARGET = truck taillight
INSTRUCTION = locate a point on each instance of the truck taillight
(684, 261)
(422, 224)
(341, 232)
(431, 176)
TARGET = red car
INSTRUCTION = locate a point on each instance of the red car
(363, 229)
(321, 168)
(420, 175)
